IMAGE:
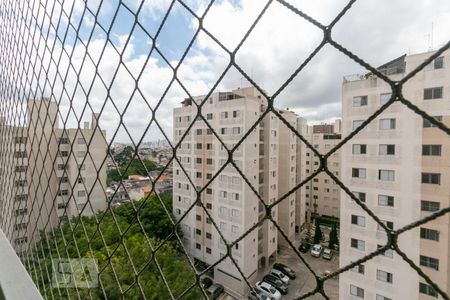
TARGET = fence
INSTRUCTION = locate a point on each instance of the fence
(38, 58)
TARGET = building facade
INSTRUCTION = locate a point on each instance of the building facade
(49, 174)
(228, 199)
(399, 166)
(321, 195)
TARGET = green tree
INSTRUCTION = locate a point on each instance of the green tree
(333, 237)
(136, 168)
(85, 238)
(318, 235)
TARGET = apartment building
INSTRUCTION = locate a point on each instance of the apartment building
(230, 201)
(48, 174)
(287, 176)
(399, 166)
(321, 195)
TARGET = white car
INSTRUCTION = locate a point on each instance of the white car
(316, 250)
(280, 275)
(269, 290)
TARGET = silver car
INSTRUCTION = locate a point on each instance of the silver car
(280, 275)
(316, 250)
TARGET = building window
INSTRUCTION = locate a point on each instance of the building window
(387, 124)
(208, 205)
(428, 124)
(358, 220)
(20, 226)
(198, 246)
(432, 93)
(384, 98)
(359, 269)
(21, 240)
(431, 150)
(209, 116)
(19, 169)
(384, 276)
(208, 250)
(388, 253)
(224, 115)
(198, 232)
(360, 195)
(356, 291)
(209, 161)
(223, 226)
(429, 262)
(358, 172)
(357, 123)
(209, 146)
(236, 113)
(427, 290)
(209, 131)
(198, 174)
(198, 217)
(379, 297)
(429, 234)
(389, 225)
(438, 63)
(386, 149)
(431, 178)
(198, 160)
(384, 200)
(81, 141)
(208, 235)
(359, 101)
(198, 132)
(198, 146)
(234, 229)
(359, 149)
(20, 154)
(21, 183)
(23, 197)
(81, 193)
(386, 175)
(357, 244)
(429, 205)
(21, 211)
(20, 140)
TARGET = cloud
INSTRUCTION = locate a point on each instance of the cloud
(276, 47)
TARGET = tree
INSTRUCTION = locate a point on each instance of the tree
(318, 235)
(101, 240)
(136, 168)
(333, 237)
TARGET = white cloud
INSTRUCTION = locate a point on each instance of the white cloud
(276, 47)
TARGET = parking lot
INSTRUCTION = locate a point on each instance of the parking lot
(305, 281)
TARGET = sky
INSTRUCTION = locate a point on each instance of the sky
(377, 31)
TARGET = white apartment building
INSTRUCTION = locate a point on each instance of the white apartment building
(233, 205)
(42, 165)
(399, 166)
(321, 195)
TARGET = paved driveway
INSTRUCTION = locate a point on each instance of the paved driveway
(305, 281)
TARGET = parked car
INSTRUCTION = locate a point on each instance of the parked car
(259, 295)
(206, 282)
(304, 247)
(215, 290)
(327, 253)
(276, 283)
(280, 275)
(260, 291)
(285, 269)
(316, 250)
(269, 289)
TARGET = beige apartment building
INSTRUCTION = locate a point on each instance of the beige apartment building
(230, 201)
(48, 174)
(321, 195)
(399, 166)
